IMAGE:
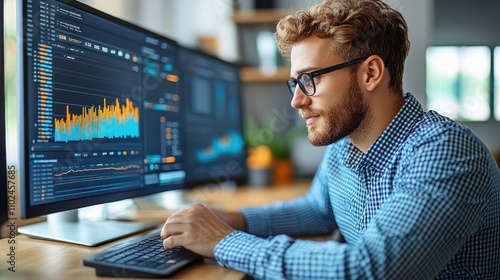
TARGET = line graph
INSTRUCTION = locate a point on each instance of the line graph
(84, 170)
(108, 121)
(89, 176)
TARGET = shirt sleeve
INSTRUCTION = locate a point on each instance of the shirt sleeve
(307, 215)
(438, 203)
(266, 258)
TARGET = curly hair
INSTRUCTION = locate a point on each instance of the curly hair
(357, 28)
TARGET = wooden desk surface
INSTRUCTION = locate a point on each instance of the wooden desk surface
(42, 259)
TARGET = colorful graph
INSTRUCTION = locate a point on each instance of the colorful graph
(108, 121)
(228, 144)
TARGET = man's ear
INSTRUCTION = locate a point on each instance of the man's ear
(373, 70)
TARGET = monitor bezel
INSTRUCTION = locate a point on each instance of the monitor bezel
(27, 209)
(3, 147)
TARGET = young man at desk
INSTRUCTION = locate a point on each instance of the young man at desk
(414, 194)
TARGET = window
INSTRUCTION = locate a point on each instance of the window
(458, 82)
(496, 97)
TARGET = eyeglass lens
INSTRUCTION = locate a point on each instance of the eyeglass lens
(306, 83)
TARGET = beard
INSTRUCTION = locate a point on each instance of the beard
(341, 119)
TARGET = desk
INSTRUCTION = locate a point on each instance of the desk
(42, 259)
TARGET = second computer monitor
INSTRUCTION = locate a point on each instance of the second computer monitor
(215, 147)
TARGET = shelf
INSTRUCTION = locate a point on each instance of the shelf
(269, 16)
(261, 16)
(254, 75)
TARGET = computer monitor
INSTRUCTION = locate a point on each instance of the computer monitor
(211, 88)
(3, 157)
(100, 117)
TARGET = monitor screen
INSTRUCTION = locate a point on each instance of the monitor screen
(211, 88)
(100, 109)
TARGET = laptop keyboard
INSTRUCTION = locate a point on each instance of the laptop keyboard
(143, 256)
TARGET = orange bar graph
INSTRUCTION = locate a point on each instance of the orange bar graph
(108, 121)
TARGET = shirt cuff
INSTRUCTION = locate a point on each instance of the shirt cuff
(235, 250)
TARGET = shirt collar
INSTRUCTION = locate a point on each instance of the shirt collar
(389, 141)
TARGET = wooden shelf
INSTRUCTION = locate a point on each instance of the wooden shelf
(254, 75)
(261, 16)
(267, 16)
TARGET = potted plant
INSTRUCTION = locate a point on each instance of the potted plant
(267, 139)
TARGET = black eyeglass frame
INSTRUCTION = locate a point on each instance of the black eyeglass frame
(292, 83)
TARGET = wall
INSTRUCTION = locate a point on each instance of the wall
(462, 22)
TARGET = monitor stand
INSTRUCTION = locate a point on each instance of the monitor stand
(67, 227)
(171, 200)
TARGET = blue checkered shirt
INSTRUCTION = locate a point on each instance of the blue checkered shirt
(422, 203)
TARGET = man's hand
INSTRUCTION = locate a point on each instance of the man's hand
(196, 228)
(234, 219)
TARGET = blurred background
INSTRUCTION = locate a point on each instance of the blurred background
(453, 66)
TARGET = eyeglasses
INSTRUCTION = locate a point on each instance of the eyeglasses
(306, 80)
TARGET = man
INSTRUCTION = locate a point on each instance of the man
(414, 194)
